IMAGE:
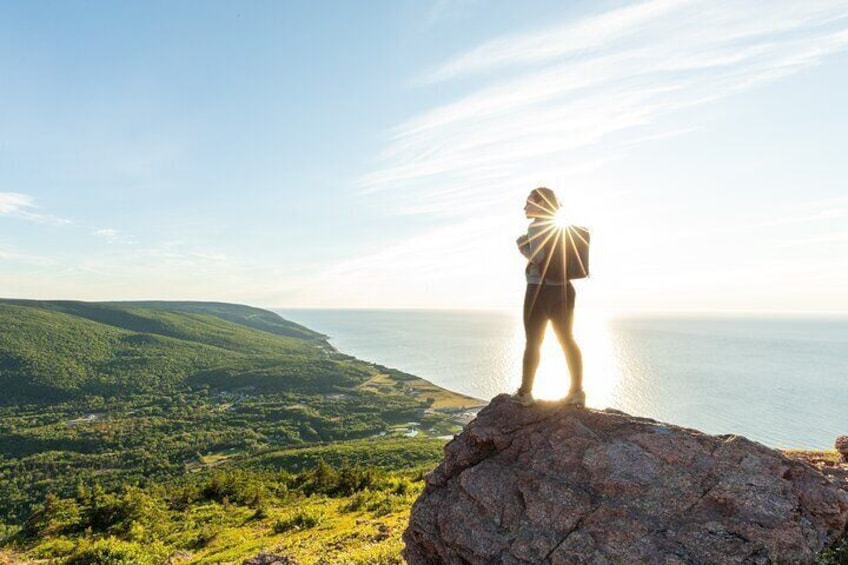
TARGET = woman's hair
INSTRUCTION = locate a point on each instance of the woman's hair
(546, 198)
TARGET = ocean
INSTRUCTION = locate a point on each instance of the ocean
(782, 381)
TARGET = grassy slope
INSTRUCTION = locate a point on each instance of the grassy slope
(315, 528)
(131, 392)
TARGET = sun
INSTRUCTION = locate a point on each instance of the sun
(559, 219)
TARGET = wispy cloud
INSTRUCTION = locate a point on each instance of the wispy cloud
(708, 26)
(604, 82)
(404, 274)
(554, 42)
(106, 233)
(12, 202)
(552, 105)
(23, 206)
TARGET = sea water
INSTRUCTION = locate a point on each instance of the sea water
(782, 381)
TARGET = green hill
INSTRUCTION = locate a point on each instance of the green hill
(119, 393)
(51, 351)
(136, 315)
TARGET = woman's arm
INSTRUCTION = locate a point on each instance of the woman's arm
(523, 243)
(531, 246)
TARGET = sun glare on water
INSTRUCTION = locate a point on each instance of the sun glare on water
(599, 372)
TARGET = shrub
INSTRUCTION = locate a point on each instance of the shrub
(342, 481)
(112, 551)
(206, 535)
(300, 520)
(380, 503)
(404, 486)
(56, 515)
(386, 505)
(837, 554)
(234, 486)
(132, 513)
(358, 501)
(260, 513)
(53, 547)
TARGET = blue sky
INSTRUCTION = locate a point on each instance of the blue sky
(340, 154)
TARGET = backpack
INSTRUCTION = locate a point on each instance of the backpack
(566, 255)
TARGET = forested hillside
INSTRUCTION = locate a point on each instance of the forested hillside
(98, 397)
(68, 350)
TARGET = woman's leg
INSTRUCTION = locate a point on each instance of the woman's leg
(534, 333)
(562, 318)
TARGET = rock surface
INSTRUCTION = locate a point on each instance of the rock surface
(556, 485)
(841, 445)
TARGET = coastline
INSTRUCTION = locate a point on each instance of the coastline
(671, 369)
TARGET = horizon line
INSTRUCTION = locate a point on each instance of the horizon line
(606, 313)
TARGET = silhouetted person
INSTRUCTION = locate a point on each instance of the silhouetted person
(549, 294)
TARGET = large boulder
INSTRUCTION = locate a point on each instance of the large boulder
(841, 446)
(555, 484)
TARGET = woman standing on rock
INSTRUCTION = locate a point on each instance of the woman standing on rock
(549, 294)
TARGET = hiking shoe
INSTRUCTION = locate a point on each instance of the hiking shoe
(523, 398)
(575, 398)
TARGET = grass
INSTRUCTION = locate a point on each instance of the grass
(351, 513)
(218, 458)
(442, 399)
(829, 457)
(391, 453)
(308, 529)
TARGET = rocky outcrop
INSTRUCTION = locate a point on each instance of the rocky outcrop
(553, 484)
(841, 446)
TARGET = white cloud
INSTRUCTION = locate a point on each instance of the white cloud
(107, 233)
(14, 203)
(23, 206)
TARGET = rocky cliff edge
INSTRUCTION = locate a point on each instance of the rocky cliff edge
(552, 484)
